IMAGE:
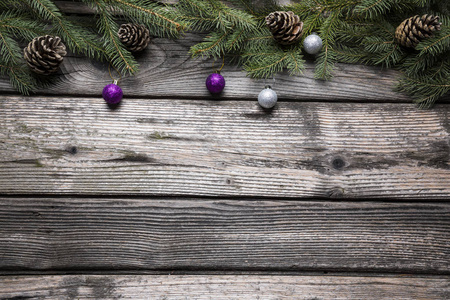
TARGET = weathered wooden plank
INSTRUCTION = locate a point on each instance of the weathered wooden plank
(223, 148)
(126, 235)
(223, 287)
(167, 71)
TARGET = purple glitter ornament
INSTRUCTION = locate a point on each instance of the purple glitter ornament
(215, 83)
(112, 93)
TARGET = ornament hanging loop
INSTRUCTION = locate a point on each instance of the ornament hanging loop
(223, 63)
(115, 81)
(267, 86)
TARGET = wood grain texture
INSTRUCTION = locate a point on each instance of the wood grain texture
(223, 148)
(166, 70)
(145, 235)
(223, 287)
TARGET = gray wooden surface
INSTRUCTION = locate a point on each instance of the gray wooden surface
(224, 287)
(158, 234)
(60, 145)
(225, 195)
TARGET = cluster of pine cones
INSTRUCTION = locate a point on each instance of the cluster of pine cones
(44, 54)
(286, 28)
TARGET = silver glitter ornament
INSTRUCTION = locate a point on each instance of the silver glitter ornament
(267, 98)
(312, 43)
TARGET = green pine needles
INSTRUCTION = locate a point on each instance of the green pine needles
(352, 31)
(22, 20)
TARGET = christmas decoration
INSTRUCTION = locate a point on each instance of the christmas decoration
(286, 27)
(267, 98)
(134, 37)
(45, 54)
(94, 37)
(351, 32)
(312, 43)
(112, 93)
(415, 29)
(215, 83)
(254, 33)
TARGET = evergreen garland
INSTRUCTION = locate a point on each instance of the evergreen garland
(22, 20)
(353, 31)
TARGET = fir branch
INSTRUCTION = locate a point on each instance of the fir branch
(201, 8)
(312, 22)
(19, 77)
(350, 55)
(381, 46)
(213, 45)
(259, 11)
(326, 59)
(385, 53)
(295, 64)
(235, 40)
(225, 17)
(372, 9)
(76, 38)
(9, 49)
(265, 65)
(415, 64)
(20, 26)
(229, 28)
(438, 44)
(239, 19)
(261, 37)
(12, 64)
(116, 53)
(161, 20)
(198, 13)
(265, 68)
(353, 31)
(425, 91)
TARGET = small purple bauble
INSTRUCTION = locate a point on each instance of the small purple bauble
(112, 93)
(215, 83)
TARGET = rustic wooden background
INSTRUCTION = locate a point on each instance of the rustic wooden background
(338, 193)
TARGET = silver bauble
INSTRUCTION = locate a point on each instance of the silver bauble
(312, 43)
(267, 98)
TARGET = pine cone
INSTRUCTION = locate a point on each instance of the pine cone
(134, 37)
(285, 27)
(44, 54)
(415, 29)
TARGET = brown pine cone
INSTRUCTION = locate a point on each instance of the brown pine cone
(415, 29)
(135, 37)
(44, 54)
(286, 27)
